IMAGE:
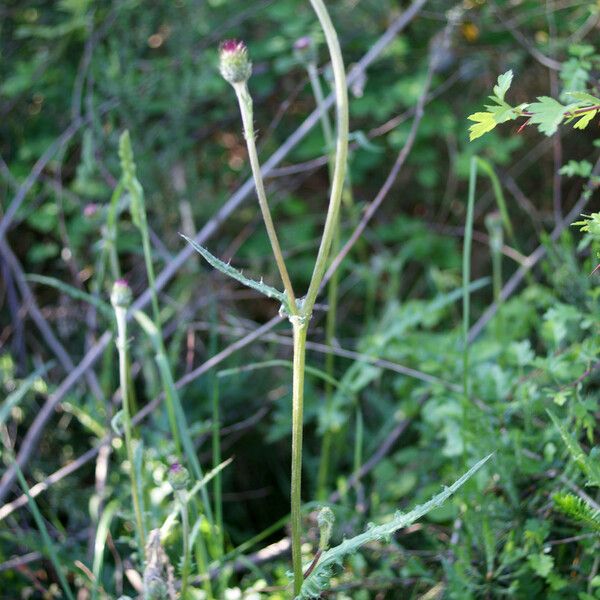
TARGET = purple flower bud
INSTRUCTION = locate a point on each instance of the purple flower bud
(121, 295)
(178, 476)
(305, 50)
(90, 210)
(302, 43)
(234, 64)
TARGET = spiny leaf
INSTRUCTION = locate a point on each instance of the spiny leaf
(587, 466)
(578, 510)
(484, 122)
(228, 270)
(503, 84)
(318, 580)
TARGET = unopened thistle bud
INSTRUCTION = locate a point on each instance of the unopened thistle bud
(178, 477)
(305, 50)
(120, 296)
(90, 210)
(234, 64)
(325, 521)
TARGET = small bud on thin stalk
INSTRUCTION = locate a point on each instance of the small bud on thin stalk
(234, 65)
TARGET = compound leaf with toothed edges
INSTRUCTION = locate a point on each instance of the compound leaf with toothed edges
(547, 113)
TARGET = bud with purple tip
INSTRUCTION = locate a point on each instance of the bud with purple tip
(91, 210)
(305, 50)
(235, 65)
(121, 296)
(178, 477)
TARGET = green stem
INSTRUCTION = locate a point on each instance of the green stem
(300, 327)
(341, 156)
(185, 524)
(315, 83)
(169, 399)
(467, 276)
(121, 317)
(246, 110)
(216, 452)
(337, 169)
(300, 322)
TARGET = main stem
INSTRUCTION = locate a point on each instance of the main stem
(120, 314)
(300, 321)
(300, 327)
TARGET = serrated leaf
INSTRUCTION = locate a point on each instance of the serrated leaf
(228, 270)
(584, 97)
(577, 509)
(547, 113)
(484, 122)
(581, 168)
(587, 466)
(541, 564)
(502, 112)
(318, 580)
(585, 120)
(503, 84)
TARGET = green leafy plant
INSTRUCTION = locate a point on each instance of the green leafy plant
(546, 113)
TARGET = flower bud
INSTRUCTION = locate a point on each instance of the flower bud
(234, 64)
(120, 296)
(305, 50)
(90, 210)
(325, 520)
(178, 477)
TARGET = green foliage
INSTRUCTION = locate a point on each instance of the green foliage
(547, 113)
(578, 509)
(399, 302)
(318, 580)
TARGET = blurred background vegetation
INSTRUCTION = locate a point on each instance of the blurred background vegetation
(75, 73)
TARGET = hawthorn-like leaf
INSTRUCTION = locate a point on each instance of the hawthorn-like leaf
(502, 112)
(584, 97)
(547, 113)
(585, 119)
(484, 122)
(503, 84)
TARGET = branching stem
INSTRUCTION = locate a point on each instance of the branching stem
(246, 109)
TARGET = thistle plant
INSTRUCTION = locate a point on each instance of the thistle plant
(236, 68)
(179, 479)
(121, 299)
